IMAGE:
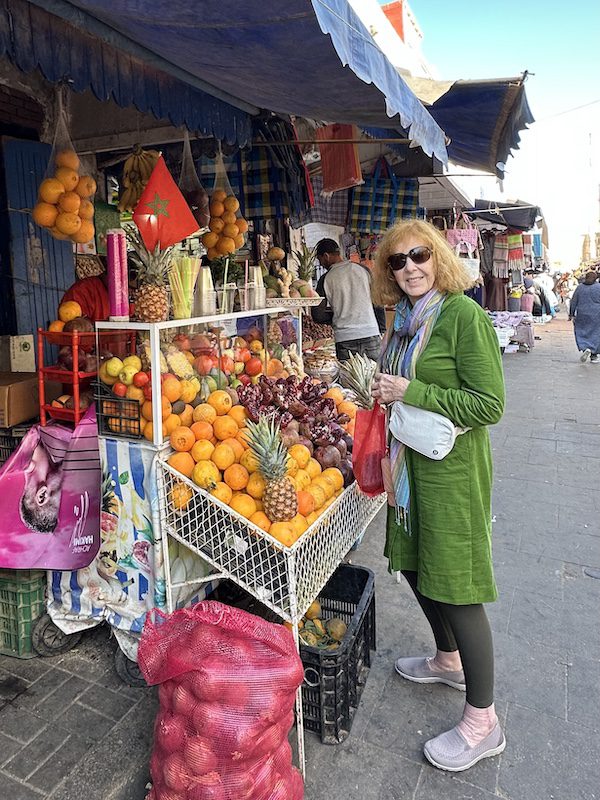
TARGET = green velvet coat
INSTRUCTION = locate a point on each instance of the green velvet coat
(459, 375)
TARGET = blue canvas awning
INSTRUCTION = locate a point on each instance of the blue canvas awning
(310, 58)
(482, 118)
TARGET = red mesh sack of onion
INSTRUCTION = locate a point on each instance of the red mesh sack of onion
(227, 682)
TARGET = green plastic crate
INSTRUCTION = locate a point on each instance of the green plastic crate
(22, 601)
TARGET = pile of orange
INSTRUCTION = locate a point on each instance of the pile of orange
(213, 453)
(343, 406)
(226, 229)
(64, 205)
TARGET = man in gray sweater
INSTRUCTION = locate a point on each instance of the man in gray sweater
(347, 306)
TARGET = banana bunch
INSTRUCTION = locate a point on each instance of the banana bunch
(136, 174)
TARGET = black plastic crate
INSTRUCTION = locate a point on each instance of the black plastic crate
(10, 439)
(334, 679)
(118, 417)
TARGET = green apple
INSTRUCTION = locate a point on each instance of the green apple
(234, 383)
(238, 367)
(127, 373)
(114, 365)
(133, 361)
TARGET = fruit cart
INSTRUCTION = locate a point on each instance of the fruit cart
(196, 507)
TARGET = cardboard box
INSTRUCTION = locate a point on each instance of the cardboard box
(18, 398)
(17, 354)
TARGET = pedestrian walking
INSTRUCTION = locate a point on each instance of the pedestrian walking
(346, 287)
(442, 355)
(585, 313)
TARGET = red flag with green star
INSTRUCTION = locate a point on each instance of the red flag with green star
(162, 214)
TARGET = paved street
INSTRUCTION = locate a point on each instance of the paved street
(69, 728)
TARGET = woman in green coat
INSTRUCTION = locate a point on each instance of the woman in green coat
(442, 355)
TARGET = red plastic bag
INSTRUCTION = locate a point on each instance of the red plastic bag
(227, 689)
(369, 449)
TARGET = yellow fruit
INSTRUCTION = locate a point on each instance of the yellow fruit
(172, 422)
(302, 479)
(86, 186)
(223, 456)
(313, 468)
(299, 524)
(210, 239)
(225, 427)
(205, 413)
(216, 208)
(301, 454)
(243, 504)
(69, 310)
(44, 214)
(326, 485)
(56, 327)
(85, 233)
(347, 407)
(182, 462)
(225, 245)
(249, 461)
(229, 218)
(202, 450)
(231, 203)
(283, 532)
(67, 158)
(335, 475)
(180, 496)
(292, 466)
(68, 177)
(68, 224)
(133, 393)
(256, 485)
(206, 475)
(236, 476)
(219, 195)
(237, 447)
(222, 492)
(69, 202)
(314, 610)
(242, 225)
(318, 494)
(239, 414)
(260, 519)
(220, 401)
(187, 391)
(231, 230)
(238, 241)
(50, 190)
(216, 225)
(86, 209)
(312, 517)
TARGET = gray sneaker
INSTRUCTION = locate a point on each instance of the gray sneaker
(585, 355)
(419, 671)
(595, 359)
(452, 752)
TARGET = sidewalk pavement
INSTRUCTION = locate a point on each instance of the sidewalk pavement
(70, 728)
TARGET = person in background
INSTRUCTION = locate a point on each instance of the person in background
(442, 355)
(347, 306)
(585, 313)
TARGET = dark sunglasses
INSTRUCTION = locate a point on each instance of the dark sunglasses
(418, 255)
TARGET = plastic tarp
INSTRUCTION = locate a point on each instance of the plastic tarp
(275, 55)
(518, 215)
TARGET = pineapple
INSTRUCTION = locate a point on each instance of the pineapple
(357, 374)
(152, 298)
(306, 262)
(279, 499)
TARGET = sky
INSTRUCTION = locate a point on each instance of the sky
(558, 164)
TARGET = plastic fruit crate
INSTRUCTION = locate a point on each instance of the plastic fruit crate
(118, 417)
(10, 439)
(22, 601)
(334, 679)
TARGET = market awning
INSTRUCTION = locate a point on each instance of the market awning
(272, 55)
(518, 214)
(482, 118)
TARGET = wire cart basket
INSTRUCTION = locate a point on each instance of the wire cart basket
(285, 579)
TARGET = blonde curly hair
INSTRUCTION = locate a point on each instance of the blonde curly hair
(450, 275)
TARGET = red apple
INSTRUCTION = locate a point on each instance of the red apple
(203, 364)
(140, 379)
(245, 379)
(119, 389)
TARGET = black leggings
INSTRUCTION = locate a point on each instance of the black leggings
(466, 629)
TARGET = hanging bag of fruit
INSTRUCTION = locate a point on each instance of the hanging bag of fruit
(65, 196)
(227, 225)
(227, 682)
(190, 187)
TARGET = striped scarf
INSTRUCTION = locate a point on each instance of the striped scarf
(413, 326)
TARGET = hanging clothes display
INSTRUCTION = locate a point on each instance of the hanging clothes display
(516, 260)
(500, 257)
(340, 161)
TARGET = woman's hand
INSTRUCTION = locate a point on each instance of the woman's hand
(387, 388)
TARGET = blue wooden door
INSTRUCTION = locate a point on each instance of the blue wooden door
(40, 268)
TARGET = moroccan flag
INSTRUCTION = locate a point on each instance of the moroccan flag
(162, 214)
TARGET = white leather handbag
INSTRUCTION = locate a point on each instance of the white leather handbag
(427, 432)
